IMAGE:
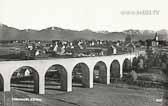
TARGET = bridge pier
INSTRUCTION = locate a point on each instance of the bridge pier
(108, 74)
(1, 83)
(7, 84)
(69, 80)
(121, 69)
(91, 67)
(41, 84)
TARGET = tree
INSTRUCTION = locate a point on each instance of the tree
(128, 39)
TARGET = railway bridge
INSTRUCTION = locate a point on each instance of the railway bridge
(40, 67)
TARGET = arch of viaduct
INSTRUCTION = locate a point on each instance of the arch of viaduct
(41, 66)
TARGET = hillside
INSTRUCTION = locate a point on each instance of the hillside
(52, 33)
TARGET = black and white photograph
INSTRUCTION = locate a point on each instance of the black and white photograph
(83, 53)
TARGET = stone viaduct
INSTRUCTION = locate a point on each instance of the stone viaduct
(7, 68)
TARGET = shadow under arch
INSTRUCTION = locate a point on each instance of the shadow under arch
(100, 72)
(127, 66)
(56, 78)
(80, 75)
(25, 78)
(134, 63)
(114, 70)
(1, 83)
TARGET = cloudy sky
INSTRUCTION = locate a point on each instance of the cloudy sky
(111, 15)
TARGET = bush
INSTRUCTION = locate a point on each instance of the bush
(130, 78)
(133, 75)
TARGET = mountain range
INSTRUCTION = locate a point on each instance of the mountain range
(56, 33)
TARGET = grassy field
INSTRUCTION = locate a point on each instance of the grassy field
(100, 95)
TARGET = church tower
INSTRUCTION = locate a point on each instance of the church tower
(156, 37)
(155, 41)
